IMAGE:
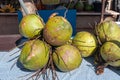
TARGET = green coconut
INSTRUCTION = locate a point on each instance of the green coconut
(110, 52)
(108, 31)
(57, 31)
(67, 57)
(86, 42)
(34, 54)
(31, 26)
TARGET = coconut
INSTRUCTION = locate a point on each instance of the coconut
(34, 54)
(108, 31)
(86, 42)
(67, 57)
(57, 31)
(31, 26)
(110, 52)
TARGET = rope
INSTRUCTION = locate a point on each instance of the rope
(65, 13)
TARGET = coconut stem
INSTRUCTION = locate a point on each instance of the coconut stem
(23, 6)
(52, 15)
(103, 10)
(52, 67)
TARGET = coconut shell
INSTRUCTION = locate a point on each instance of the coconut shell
(57, 31)
(86, 42)
(110, 52)
(67, 58)
(34, 54)
(108, 31)
(31, 26)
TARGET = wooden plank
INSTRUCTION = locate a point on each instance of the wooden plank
(8, 42)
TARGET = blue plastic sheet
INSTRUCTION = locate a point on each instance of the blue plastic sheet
(86, 70)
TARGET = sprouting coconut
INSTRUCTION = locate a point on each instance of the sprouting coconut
(67, 57)
(108, 31)
(31, 25)
(86, 42)
(110, 52)
(34, 54)
(57, 30)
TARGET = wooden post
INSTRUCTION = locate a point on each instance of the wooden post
(103, 10)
